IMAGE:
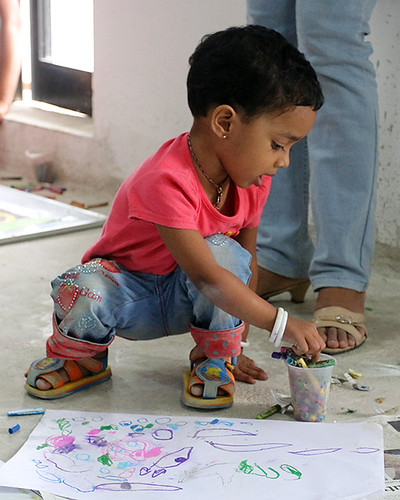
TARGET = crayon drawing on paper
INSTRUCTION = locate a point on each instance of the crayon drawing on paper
(86, 455)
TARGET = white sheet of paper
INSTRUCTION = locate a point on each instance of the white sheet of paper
(88, 455)
(24, 216)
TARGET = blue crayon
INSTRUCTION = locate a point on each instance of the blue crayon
(29, 411)
(16, 428)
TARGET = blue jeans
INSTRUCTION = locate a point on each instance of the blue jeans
(98, 300)
(336, 165)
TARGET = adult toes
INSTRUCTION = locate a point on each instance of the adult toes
(332, 337)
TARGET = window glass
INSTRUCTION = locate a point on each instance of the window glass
(70, 42)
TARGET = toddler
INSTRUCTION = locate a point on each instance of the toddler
(178, 250)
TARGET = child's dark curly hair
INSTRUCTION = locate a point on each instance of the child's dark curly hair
(254, 70)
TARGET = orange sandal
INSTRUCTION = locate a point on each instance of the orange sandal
(47, 369)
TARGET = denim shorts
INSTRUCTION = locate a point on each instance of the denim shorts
(95, 301)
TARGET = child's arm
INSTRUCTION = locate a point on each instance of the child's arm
(228, 292)
(248, 240)
(246, 369)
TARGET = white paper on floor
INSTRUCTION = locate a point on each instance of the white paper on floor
(88, 455)
(25, 216)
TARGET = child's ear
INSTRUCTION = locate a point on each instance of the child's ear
(222, 119)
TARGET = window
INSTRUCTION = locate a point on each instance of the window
(62, 53)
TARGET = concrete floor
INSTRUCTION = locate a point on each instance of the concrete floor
(147, 376)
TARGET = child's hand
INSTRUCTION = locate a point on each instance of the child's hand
(305, 337)
(247, 371)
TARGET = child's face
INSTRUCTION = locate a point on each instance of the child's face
(261, 146)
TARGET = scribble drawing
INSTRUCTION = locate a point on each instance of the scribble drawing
(105, 459)
(138, 449)
(72, 480)
(64, 426)
(267, 472)
(315, 451)
(216, 421)
(162, 434)
(66, 464)
(81, 455)
(221, 432)
(134, 487)
(173, 459)
(366, 450)
(61, 444)
(247, 447)
(217, 469)
(291, 470)
(98, 441)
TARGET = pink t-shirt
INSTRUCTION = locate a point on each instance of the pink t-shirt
(166, 190)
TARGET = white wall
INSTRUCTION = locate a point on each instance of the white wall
(139, 95)
(141, 66)
(385, 25)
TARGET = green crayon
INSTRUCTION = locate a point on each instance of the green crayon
(271, 411)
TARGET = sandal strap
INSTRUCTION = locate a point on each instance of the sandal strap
(92, 364)
(43, 367)
(340, 317)
(48, 369)
(213, 374)
(55, 379)
(73, 370)
(340, 314)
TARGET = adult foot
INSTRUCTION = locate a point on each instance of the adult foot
(271, 284)
(334, 337)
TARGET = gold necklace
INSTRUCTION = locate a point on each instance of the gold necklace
(218, 187)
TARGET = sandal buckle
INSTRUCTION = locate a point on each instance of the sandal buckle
(343, 320)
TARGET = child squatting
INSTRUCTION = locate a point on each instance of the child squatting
(177, 253)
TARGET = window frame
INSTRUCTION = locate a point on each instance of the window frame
(64, 87)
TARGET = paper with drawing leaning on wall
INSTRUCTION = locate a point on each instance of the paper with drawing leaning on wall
(84, 455)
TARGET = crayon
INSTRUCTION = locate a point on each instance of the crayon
(271, 411)
(28, 411)
(88, 206)
(321, 363)
(302, 363)
(55, 189)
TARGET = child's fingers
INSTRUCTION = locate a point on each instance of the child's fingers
(308, 340)
(247, 371)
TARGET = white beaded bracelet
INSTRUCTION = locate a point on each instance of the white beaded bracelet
(279, 327)
(244, 343)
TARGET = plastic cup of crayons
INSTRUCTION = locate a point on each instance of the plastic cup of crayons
(309, 387)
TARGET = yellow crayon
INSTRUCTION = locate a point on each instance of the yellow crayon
(302, 363)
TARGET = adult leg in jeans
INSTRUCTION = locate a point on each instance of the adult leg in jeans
(342, 158)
